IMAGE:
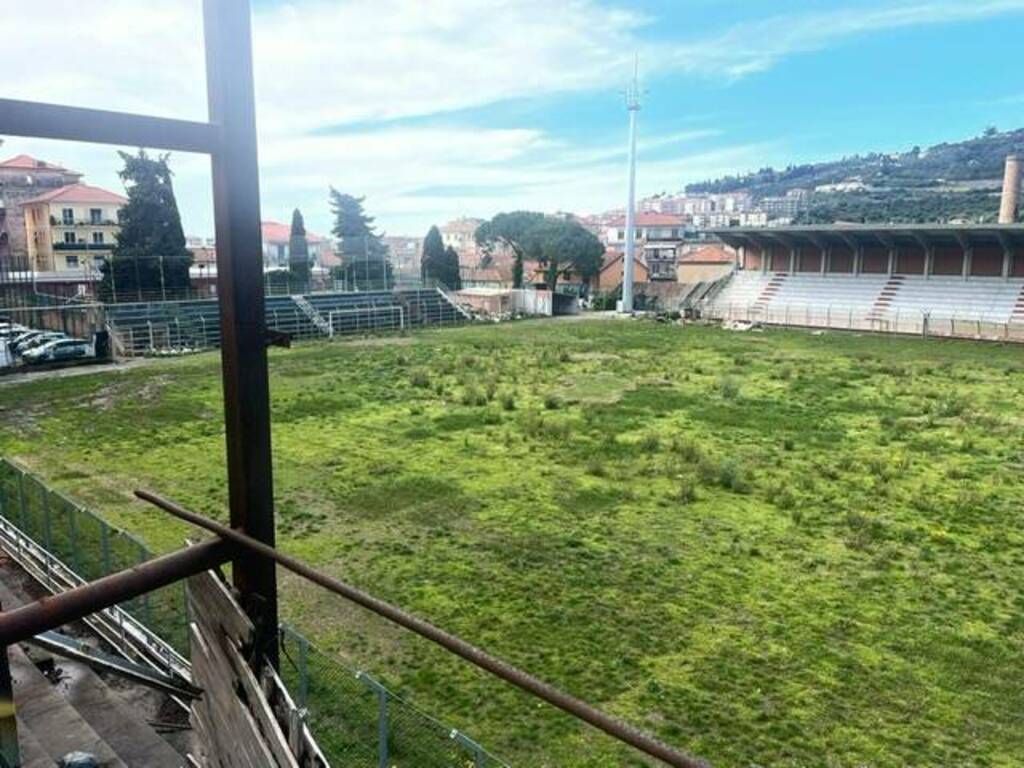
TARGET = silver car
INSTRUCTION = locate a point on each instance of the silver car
(58, 349)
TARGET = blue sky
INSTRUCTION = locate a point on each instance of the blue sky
(467, 107)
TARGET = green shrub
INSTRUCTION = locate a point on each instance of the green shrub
(508, 401)
(728, 388)
(686, 491)
(687, 449)
(473, 395)
(732, 476)
(420, 379)
(649, 443)
(552, 401)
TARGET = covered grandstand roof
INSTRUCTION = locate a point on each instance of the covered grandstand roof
(1007, 235)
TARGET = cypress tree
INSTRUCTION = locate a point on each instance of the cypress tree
(150, 257)
(299, 265)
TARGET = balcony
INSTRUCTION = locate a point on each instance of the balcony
(82, 246)
(55, 222)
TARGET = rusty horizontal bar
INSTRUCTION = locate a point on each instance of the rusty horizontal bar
(54, 121)
(580, 709)
(53, 611)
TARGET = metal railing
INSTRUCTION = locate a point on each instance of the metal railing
(62, 545)
(843, 317)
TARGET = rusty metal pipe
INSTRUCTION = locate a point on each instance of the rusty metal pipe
(616, 728)
(53, 611)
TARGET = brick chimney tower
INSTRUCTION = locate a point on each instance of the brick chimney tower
(1009, 204)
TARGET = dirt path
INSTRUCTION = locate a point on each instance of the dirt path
(78, 370)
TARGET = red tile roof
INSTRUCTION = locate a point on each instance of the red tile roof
(276, 232)
(29, 163)
(708, 254)
(652, 220)
(78, 193)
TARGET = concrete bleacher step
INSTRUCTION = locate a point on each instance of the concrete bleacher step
(886, 297)
(769, 291)
(56, 727)
(80, 712)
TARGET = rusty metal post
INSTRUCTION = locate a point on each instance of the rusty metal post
(236, 202)
(9, 755)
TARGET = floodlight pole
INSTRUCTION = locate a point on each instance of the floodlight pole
(236, 202)
(632, 106)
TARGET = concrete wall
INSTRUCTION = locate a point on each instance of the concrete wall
(691, 272)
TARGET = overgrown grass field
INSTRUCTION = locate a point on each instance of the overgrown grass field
(776, 549)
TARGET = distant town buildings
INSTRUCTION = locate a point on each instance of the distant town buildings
(71, 227)
(658, 237)
(459, 234)
(405, 254)
(276, 250)
(23, 178)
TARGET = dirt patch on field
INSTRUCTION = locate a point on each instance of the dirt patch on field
(594, 388)
(387, 341)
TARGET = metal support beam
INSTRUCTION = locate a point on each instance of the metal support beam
(50, 612)
(53, 121)
(236, 202)
(9, 754)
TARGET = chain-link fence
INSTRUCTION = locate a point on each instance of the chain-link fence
(89, 547)
(841, 317)
(359, 723)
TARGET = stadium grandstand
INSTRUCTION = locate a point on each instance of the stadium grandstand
(932, 279)
(177, 326)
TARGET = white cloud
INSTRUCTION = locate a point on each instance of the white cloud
(755, 46)
(326, 63)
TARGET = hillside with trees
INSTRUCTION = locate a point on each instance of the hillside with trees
(976, 159)
(957, 180)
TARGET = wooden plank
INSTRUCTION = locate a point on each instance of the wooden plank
(300, 738)
(235, 736)
(276, 740)
(216, 609)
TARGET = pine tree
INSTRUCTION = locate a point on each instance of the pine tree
(299, 265)
(150, 256)
(433, 255)
(364, 258)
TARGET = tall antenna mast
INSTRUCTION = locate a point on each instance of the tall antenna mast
(632, 107)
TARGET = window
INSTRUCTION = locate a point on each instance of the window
(95, 215)
(71, 259)
(97, 238)
(68, 216)
(69, 238)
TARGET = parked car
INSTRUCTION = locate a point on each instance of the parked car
(22, 338)
(58, 349)
(38, 341)
(10, 330)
